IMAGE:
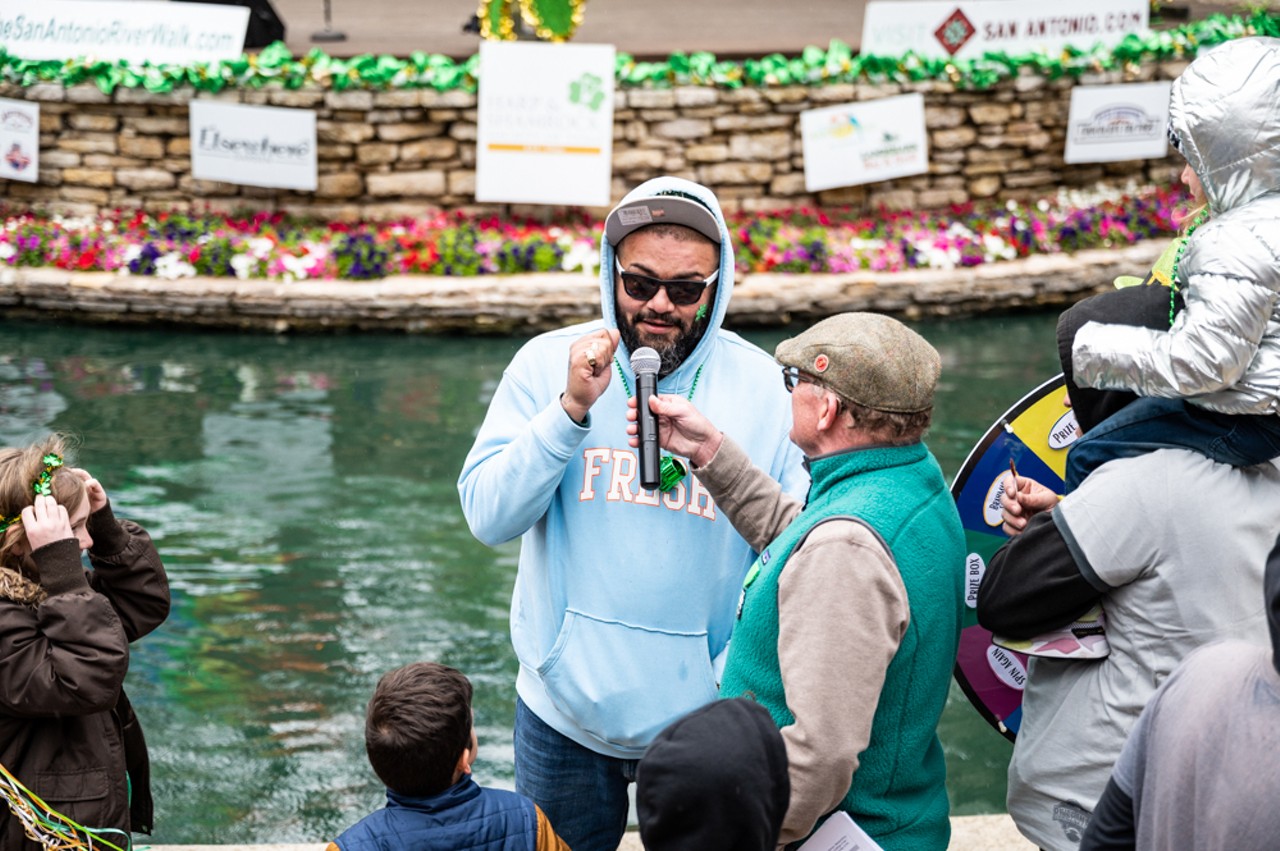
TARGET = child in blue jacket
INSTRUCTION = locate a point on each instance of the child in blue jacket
(421, 743)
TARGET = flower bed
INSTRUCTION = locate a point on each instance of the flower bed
(277, 247)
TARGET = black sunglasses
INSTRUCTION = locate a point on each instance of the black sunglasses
(643, 287)
(791, 376)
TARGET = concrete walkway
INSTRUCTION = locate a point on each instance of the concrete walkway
(968, 833)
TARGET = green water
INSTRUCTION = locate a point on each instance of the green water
(302, 493)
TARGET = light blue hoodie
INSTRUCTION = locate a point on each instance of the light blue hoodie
(624, 598)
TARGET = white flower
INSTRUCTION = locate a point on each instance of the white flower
(295, 267)
(242, 264)
(171, 266)
(260, 247)
(581, 256)
(996, 248)
(6, 251)
(858, 243)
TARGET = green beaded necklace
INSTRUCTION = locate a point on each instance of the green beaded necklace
(1177, 258)
(670, 471)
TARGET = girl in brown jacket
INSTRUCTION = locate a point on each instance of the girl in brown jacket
(67, 731)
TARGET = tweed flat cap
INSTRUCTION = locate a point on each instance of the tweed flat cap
(867, 358)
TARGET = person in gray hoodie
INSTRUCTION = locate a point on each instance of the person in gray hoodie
(1211, 382)
(1199, 769)
(1171, 544)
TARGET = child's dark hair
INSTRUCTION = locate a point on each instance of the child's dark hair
(417, 726)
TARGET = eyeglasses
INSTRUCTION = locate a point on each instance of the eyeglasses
(643, 287)
(791, 376)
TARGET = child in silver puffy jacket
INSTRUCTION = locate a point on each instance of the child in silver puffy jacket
(1211, 382)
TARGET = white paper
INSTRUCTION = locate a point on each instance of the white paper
(840, 833)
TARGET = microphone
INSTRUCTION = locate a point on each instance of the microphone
(644, 363)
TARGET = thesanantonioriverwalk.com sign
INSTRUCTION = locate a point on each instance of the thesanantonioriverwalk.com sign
(136, 31)
(253, 145)
(545, 128)
(966, 30)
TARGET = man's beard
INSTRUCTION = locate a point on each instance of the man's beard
(672, 352)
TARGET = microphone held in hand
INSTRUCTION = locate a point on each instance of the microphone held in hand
(644, 363)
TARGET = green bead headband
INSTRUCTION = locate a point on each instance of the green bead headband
(42, 486)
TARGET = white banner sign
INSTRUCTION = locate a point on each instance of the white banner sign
(153, 32)
(253, 145)
(1119, 122)
(966, 30)
(864, 142)
(19, 140)
(545, 131)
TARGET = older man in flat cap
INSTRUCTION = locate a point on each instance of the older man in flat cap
(849, 619)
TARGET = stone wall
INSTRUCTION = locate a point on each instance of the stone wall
(405, 152)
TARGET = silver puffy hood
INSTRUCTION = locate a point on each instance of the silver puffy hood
(1225, 109)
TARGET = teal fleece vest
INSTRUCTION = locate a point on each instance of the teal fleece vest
(898, 794)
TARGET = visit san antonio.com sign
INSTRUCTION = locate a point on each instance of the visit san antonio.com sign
(939, 30)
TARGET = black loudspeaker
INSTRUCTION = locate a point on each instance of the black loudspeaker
(265, 25)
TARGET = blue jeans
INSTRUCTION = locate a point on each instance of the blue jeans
(1149, 423)
(583, 793)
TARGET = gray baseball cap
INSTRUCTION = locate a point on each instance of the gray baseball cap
(663, 208)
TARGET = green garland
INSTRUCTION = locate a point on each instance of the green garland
(276, 66)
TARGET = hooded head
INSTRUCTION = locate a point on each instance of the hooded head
(714, 780)
(1223, 119)
(670, 201)
(1145, 306)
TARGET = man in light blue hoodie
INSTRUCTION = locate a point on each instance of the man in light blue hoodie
(624, 597)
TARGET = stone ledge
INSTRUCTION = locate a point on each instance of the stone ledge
(496, 304)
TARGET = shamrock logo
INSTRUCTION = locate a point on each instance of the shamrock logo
(587, 90)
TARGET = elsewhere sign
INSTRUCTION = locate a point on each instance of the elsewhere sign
(19, 140)
(1118, 122)
(864, 142)
(937, 30)
(545, 133)
(253, 145)
(138, 31)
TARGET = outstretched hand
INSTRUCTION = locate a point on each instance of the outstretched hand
(45, 521)
(682, 429)
(1023, 499)
(590, 362)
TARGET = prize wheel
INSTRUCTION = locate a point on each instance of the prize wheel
(1034, 434)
